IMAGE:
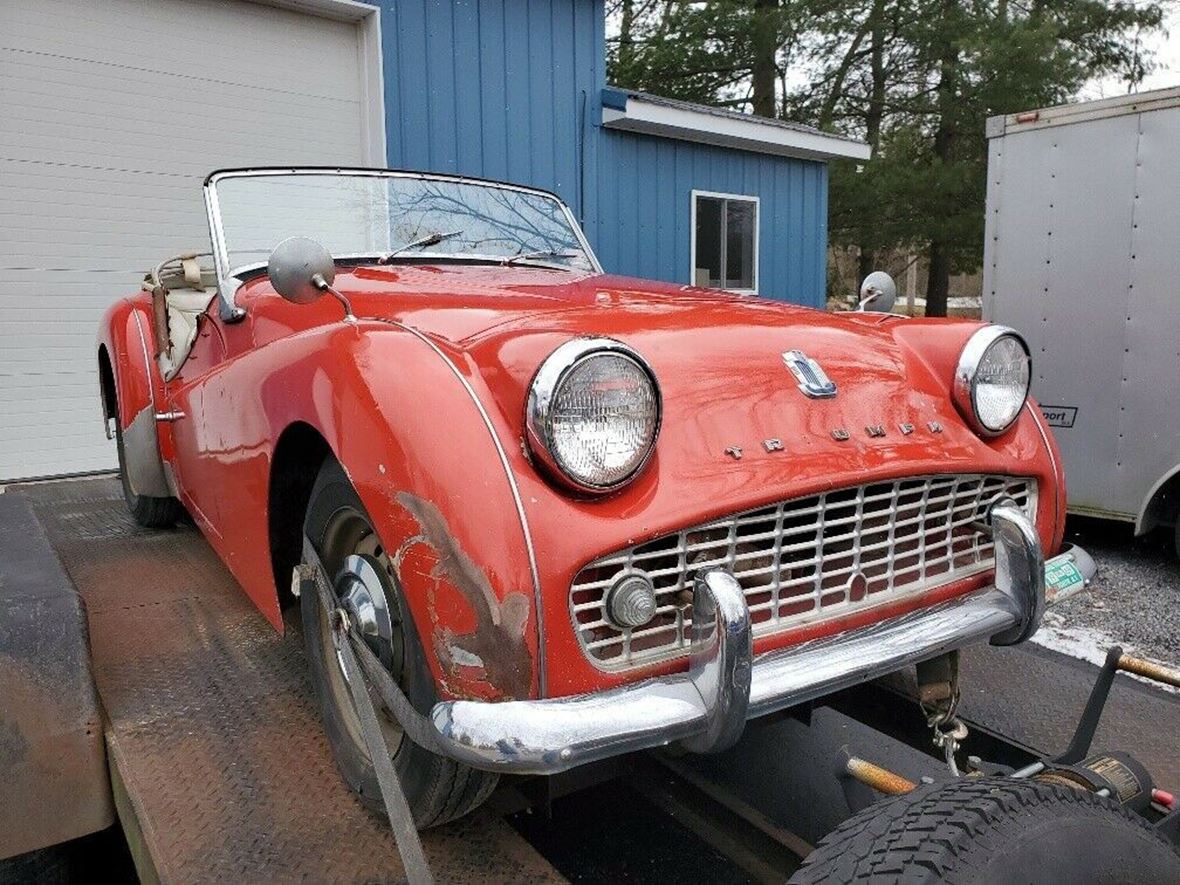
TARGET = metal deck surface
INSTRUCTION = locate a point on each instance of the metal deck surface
(212, 726)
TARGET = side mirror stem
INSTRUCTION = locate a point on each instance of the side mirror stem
(323, 285)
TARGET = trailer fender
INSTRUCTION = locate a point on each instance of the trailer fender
(1161, 504)
(51, 734)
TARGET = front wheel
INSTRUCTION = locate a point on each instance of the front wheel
(437, 789)
(992, 831)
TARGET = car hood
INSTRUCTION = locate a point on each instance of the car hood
(719, 361)
(718, 358)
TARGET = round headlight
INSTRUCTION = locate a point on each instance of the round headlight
(593, 413)
(992, 378)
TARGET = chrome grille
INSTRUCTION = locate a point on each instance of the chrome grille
(801, 561)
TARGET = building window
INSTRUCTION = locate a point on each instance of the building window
(725, 241)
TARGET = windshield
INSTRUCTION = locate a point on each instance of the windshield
(390, 216)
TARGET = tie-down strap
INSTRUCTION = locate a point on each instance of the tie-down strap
(355, 656)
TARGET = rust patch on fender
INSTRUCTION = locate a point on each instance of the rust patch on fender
(496, 648)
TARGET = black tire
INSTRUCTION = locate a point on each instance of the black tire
(151, 513)
(437, 789)
(992, 831)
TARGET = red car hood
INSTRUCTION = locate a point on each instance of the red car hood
(718, 357)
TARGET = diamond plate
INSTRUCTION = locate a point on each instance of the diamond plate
(212, 723)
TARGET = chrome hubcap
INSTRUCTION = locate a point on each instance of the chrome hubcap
(362, 595)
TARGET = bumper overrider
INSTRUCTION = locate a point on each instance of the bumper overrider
(706, 708)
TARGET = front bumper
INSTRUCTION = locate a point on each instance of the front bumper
(707, 708)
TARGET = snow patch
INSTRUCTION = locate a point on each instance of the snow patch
(1088, 644)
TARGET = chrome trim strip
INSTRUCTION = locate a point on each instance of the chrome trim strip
(548, 736)
(227, 286)
(524, 522)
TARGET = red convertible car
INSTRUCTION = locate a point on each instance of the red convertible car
(573, 515)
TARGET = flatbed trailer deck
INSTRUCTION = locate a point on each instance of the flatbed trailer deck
(220, 768)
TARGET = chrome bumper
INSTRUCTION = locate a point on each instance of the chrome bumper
(707, 708)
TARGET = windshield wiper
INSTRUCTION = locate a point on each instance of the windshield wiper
(422, 242)
(541, 253)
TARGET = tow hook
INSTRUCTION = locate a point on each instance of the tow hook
(938, 695)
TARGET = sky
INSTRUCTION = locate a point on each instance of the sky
(1166, 47)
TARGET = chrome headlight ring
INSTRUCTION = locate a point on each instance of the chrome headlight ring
(546, 413)
(976, 368)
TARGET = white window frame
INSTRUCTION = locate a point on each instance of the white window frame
(367, 17)
(692, 233)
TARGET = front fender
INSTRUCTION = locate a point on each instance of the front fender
(125, 333)
(427, 461)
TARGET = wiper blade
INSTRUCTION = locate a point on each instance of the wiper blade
(432, 239)
(541, 253)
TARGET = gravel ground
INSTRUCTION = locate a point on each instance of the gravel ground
(1134, 602)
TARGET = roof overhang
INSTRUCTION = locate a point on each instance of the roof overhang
(650, 115)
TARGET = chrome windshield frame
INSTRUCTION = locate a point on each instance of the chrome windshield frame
(228, 282)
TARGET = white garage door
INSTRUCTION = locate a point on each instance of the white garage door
(111, 115)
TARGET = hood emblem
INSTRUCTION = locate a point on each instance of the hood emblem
(812, 379)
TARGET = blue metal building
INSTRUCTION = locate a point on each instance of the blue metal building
(508, 89)
(516, 90)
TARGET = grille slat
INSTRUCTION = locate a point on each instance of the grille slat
(797, 561)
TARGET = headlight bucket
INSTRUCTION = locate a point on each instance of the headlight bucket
(593, 414)
(992, 379)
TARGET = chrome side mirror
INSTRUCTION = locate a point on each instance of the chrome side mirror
(301, 270)
(878, 292)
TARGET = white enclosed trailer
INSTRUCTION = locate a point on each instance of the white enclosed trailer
(1083, 258)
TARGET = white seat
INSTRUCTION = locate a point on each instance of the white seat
(188, 291)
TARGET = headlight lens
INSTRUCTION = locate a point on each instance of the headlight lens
(594, 413)
(992, 379)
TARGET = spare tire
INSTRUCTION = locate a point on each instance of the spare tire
(988, 831)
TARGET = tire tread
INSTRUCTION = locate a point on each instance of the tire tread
(934, 833)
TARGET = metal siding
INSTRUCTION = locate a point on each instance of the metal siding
(543, 110)
(466, 75)
(1149, 420)
(1059, 274)
(105, 137)
(491, 88)
(645, 209)
(512, 89)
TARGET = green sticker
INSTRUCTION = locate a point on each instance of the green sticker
(1063, 575)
